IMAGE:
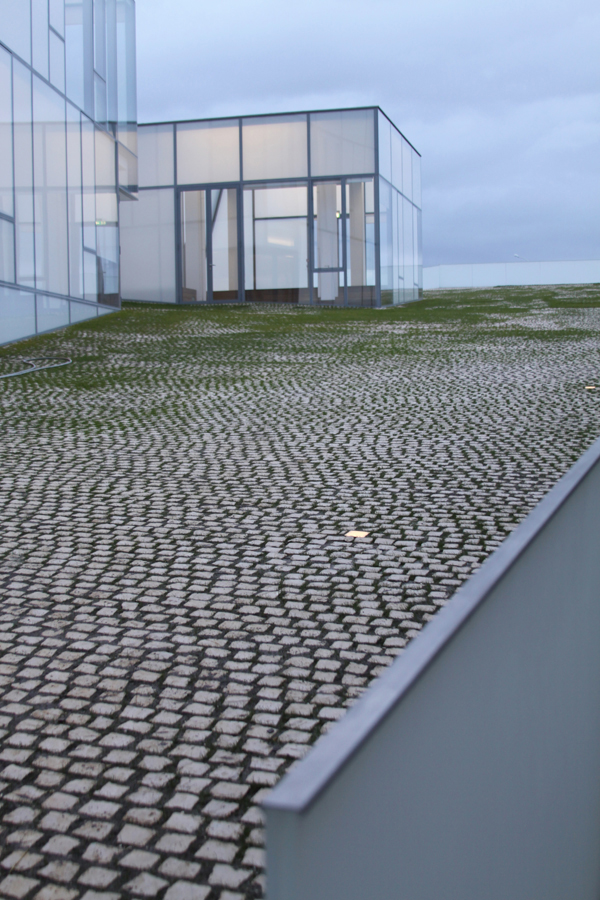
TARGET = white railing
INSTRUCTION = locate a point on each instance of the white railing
(470, 770)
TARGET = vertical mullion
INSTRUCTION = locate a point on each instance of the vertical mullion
(344, 238)
(14, 190)
(310, 217)
(377, 213)
(240, 225)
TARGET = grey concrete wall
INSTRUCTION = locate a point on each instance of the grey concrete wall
(476, 275)
(471, 769)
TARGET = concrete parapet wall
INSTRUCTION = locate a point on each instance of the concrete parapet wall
(470, 769)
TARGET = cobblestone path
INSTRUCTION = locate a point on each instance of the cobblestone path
(182, 614)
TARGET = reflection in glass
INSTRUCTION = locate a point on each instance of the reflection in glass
(6, 150)
(385, 147)
(406, 170)
(50, 193)
(126, 90)
(327, 211)
(57, 61)
(88, 176)
(397, 142)
(15, 16)
(193, 247)
(155, 155)
(7, 251)
(39, 36)
(99, 99)
(128, 170)
(52, 312)
(74, 51)
(224, 250)
(148, 247)
(90, 276)
(407, 227)
(274, 147)
(416, 173)
(57, 15)
(208, 152)
(107, 230)
(276, 243)
(75, 222)
(100, 37)
(342, 143)
(360, 232)
(17, 314)
(82, 311)
(386, 193)
(23, 163)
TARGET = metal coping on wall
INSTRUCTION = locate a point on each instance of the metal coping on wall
(297, 112)
(303, 785)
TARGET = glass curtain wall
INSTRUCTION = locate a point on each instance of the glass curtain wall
(285, 208)
(399, 217)
(67, 153)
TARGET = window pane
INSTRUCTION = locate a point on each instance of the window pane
(15, 27)
(276, 243)
(360, 237)
(6, 150)
(224, 244)
(23, 162)
(208, 152)
(274, 147)
(99, 99)
(126, 79)
(327, 207)
(397, 250)
(407, 227)
(406, 170)
(416, 178)
(148, 247)
(88, 176)
(50, 180)
(82, 311)
(57, 16)
(128, 170)
(155, 155)
(90, 276)
(385, 147)
(7, 251)
(74, 51)
(397, 159)
(39, 36)
(194, 268)
(52, 312)
(100, 37)
(342, 143)
(57, 61)
(385, 242)
(17, 314)
(74, 202)
(107, 232)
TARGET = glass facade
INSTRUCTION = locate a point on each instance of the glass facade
(320, 208)
(68, 156)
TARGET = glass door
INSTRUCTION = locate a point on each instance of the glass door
(209, 245)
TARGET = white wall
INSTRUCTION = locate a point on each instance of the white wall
(475, 275)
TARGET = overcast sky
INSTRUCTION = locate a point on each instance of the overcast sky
(501, 98)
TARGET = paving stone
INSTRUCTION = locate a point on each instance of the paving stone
(182, 613)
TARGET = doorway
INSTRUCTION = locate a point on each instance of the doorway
(209, 256)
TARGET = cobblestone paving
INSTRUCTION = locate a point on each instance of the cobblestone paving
(182, 615)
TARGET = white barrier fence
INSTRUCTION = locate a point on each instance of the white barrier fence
(471, 768)
(481, 275)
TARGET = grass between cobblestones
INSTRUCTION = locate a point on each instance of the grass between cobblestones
(182, 615)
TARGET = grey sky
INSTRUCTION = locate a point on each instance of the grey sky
(502, 99)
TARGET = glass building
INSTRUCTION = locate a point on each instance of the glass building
(320, 208)
(68, 154)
